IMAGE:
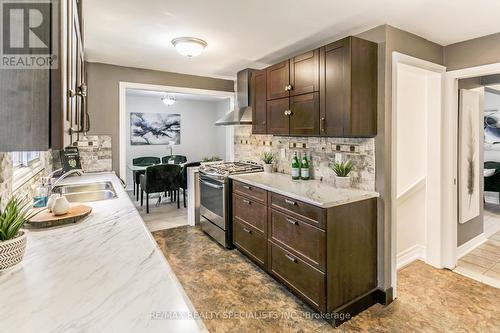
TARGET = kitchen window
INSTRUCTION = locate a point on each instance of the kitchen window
(26, 164)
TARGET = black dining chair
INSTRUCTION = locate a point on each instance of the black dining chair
(184, 178)
(160, 178)
(178, 159)
(142, 161)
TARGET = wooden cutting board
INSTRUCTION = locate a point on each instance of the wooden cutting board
(45, 219)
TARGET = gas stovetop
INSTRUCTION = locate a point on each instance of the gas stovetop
(230, 168)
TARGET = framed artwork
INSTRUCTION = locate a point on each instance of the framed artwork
(155, 129)
(470, 149)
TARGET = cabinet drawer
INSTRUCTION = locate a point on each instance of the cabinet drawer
(306, 280)
(305, 212)
(250, 242)
(303, 239)
(250, 212)
(250, 191)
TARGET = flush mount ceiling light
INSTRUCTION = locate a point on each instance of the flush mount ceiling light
(189, 46)
(168, 100)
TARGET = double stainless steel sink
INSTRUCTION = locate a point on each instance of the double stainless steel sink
(87, 192)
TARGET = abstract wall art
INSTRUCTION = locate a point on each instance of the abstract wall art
(155, 129)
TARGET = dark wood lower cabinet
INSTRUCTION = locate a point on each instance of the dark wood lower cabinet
(328, 257)
(251, 242)
(301, 277)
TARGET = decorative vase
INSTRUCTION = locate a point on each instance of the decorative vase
(60, 206)
(52, 201)
(12, 251)
(342, 182)
(268, 168)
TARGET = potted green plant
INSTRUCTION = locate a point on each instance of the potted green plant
(268, 159)
(342, 170)
(12, 237)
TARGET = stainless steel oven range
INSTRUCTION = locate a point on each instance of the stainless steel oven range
(215, 198)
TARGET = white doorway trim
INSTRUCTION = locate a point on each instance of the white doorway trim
(122, 108)
(450, 158)
(433, 231)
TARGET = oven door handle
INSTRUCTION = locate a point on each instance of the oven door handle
(219, 187)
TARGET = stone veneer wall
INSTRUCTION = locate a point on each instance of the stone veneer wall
(26, 190)
(95, 153)
(322, 151)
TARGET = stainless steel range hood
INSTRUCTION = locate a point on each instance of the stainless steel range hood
(242, 114)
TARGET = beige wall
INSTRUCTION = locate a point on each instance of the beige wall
(103, 81)
(474, 52)
(391, 39)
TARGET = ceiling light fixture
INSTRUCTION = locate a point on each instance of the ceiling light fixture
(189, 46)
(168, 100)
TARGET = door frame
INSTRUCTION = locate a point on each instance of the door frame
(433, 257)
(449, 202)
(123, 126)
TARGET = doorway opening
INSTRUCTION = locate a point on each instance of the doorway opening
(416, 180)
(478, 228)
(169, 125)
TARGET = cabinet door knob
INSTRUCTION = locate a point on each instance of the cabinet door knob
(247, 187)
(248, 231)
(322, 124)
(292, 221)
(247, 202)
(288, 87)
(290, 202)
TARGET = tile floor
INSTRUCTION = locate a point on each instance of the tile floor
(220, 282)
(483, 263)
(163, 217)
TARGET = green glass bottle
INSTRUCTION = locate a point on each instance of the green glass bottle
(295, 167)
(304, 168)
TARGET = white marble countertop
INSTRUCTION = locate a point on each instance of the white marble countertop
(104, 274)
(312, 191)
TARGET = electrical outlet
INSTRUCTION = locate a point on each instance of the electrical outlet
(338, 158)
(283, 153)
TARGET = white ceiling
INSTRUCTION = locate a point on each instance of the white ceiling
(256, 33)
(178, 96)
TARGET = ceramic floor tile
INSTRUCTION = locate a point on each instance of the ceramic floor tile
(483, 253)
(478, 261)
(220, 280)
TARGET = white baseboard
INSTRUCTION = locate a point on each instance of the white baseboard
(416, 252)
(465, 248)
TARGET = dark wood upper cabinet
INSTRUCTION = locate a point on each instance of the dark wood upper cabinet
(304, 73)
(35, 110)
(348, 88)
(278, 121)
(304, 117)
(278, 80)
(258, 102)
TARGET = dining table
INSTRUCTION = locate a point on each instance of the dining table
(141, 167)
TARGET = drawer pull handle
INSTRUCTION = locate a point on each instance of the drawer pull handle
(290, 202)
(247, 187)
(292, 221)
(248, 202)
(248, 231)
(289, 257)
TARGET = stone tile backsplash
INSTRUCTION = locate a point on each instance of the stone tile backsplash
(95, 153)
(322, 151)
(26, 190)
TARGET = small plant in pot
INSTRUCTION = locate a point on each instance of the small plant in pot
(12, 237)
(268, 159)
(342, 170)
